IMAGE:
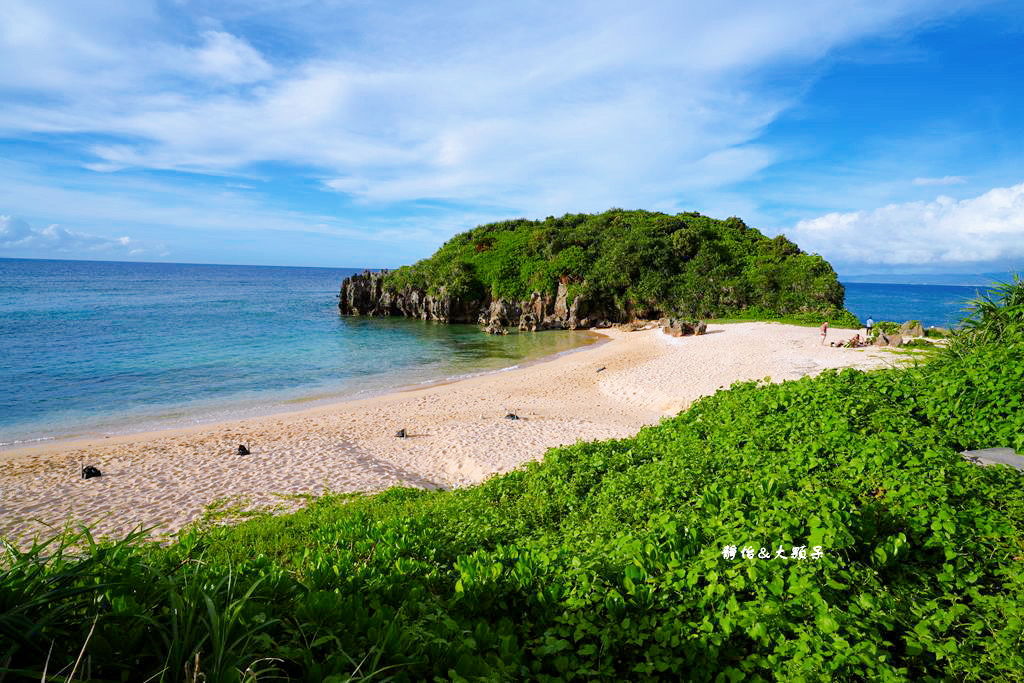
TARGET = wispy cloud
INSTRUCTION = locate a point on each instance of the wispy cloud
(989, 227)
(945, 180)
(230, 59)
(546, 108)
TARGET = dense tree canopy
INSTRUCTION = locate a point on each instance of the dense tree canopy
(640, 262)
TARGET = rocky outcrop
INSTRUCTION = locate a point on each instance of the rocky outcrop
(681, 328)
(884, 339)
(366, 294)
(912, 328)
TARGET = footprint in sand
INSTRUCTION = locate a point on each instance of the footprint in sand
(466, 468)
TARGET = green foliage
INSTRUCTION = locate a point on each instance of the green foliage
(632, 263)
(995, 317)
(605, 560)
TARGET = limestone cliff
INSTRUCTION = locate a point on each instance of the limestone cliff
(366, 294)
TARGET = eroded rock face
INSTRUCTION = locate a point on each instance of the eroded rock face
(494, 328)
(364, 294)
(561, 301)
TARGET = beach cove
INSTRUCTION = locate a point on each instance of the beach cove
(458, 433)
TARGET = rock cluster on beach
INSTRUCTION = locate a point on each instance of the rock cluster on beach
(912, 328)
(675, 327)
(884, 339)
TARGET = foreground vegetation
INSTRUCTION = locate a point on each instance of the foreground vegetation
(605, 561)
(637, 263)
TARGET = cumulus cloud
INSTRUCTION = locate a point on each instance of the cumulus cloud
(945, 180)
(18, 236)
(986, 228)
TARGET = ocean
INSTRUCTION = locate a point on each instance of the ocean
(102, 348)
(933, 305)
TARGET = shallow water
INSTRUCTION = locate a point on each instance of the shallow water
(105, 348)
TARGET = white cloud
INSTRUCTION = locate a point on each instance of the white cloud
(231, 59)
(989, 227)
(19, 236)
(945, 180)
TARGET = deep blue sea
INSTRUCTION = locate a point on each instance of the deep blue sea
(938, 305)
(93, 348)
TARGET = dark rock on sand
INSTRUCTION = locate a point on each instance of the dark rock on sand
(681, 328)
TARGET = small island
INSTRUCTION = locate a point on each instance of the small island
(594, 270)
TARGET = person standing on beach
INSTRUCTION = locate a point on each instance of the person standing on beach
(824, 331)
(868, 325)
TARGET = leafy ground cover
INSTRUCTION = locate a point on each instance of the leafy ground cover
(635, 559)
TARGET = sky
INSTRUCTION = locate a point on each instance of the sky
(885, 136)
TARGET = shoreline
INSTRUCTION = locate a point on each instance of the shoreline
(282, 407)
(458, 434)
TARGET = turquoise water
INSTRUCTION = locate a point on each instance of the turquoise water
(106, 348)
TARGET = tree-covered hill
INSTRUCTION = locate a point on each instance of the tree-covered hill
(583, 270)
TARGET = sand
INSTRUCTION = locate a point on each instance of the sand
(458, 433)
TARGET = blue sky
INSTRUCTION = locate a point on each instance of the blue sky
(885, 136)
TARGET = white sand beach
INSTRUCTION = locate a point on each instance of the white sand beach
(458, 433)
